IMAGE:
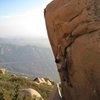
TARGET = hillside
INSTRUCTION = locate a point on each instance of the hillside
(27, 58)
(10, 86)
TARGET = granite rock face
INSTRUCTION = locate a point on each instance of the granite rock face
(73, 28)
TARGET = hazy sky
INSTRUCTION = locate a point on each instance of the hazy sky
(22, 18)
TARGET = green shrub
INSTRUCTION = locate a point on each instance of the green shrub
(16, 93)
(2, 96)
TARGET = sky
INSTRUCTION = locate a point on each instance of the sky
(22, 18)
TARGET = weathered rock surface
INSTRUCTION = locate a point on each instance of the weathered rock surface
(73, 28)
(47, 81)
(55, 94)
(2, 70)
(32, 93)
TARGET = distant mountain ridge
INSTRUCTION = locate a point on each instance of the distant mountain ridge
(27, 58)
(26, 41)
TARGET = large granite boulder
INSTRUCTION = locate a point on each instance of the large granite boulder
(32, 93)
(73, 28)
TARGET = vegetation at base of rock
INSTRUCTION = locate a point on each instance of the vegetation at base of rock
(2, 96)
(16, 93)
(9, 87)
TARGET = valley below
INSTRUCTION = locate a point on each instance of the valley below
(28, 57)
